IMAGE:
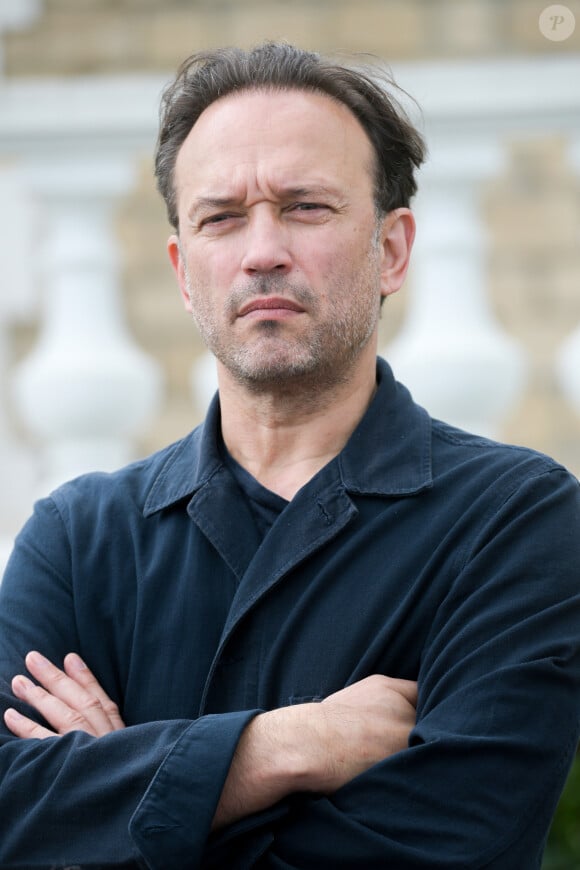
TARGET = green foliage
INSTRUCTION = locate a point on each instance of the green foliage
(563, 849)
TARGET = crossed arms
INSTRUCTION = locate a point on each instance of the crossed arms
(498, 699)
(302, 748)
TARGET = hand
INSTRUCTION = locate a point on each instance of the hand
(69, 700)
(317, 747)
(362, 725)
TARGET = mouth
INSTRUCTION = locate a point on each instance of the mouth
(270, 306)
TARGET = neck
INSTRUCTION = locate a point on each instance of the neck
(284, 436)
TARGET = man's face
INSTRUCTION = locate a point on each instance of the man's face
(280, 254)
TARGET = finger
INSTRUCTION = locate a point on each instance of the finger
(78, 671)
(374, 688)
(62, 717)
(21, 726)
(406, 688)
(62, 702)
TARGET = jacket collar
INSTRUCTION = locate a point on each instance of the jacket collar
(389, 453)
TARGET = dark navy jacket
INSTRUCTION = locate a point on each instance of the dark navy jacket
(419, 552)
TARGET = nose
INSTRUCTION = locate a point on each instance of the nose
(266, 244)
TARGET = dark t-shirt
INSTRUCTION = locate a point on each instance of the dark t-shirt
(265, 505)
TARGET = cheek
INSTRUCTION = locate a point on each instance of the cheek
(337, 267)
(338, 250)
(320, 259)
(210, 273)
(222, 260)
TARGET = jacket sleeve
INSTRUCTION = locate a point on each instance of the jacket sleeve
(68, 801)
(497, 720)
(497, 727)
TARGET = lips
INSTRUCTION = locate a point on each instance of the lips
(268, 303)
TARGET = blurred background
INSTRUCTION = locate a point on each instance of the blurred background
(98, 362)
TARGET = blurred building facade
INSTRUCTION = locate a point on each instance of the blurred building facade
(98, 362)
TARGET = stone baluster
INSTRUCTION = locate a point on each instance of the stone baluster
(203, 380)
(14, 470)
(568, 357)
(450, 351)
(568, 368)
(17, 302)
(86, 390)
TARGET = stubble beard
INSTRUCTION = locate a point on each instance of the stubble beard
(281, 360)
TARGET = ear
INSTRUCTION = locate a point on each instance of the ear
(397, 236)
(175, 255)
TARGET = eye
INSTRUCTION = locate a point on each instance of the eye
(309, 212)
(217, 218)
(308, 206)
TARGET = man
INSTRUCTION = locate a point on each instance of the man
(323, 630)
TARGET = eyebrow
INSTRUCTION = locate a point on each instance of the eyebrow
(205, 203)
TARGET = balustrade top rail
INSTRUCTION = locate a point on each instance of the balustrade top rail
(527, 94)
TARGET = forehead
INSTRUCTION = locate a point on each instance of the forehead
(289, 136)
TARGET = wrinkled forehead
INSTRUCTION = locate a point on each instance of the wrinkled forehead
(286, 132)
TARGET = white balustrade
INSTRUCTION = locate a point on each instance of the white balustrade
(15, 471)
(568, 368)
(451, 352)
(568, 358)
(86, 387)
(17, 303)
(203, 380)
(86, 390)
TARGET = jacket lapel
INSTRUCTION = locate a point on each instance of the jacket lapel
(317, 514)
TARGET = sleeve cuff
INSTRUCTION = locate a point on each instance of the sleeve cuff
(172, 823)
